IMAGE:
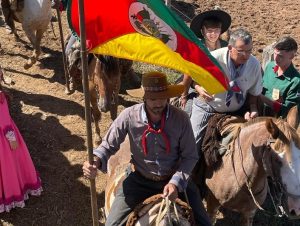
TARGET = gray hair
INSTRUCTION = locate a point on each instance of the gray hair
(241, 34)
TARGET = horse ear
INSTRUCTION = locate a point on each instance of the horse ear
(292, 117)
(272, 128)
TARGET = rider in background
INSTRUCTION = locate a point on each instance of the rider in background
(208, 26)
(281, 80)
(243, 71)
(162, 146)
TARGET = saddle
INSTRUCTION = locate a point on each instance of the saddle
(221, 131)
(219, 134)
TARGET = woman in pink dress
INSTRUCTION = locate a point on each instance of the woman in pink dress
(18, 177)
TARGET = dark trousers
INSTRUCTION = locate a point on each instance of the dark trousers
(136, 189)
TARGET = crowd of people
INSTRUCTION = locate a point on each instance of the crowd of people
(166, 141)
(251, 93)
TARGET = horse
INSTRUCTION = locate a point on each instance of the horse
(154, 210)
(104, 78)
(263, 148)
(34, 17)
(267, 55)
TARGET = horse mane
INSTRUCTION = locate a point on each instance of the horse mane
(219, 125)
(110, 64)
(286, 134)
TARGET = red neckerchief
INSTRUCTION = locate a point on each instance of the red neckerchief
(275, 68)
(150, 129)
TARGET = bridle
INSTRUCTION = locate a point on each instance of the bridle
(276, 190)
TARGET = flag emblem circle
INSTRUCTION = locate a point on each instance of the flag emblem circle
(146, 22)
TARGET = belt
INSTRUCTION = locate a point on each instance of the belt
(150, 176)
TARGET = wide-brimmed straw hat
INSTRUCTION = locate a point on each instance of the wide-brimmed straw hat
(155, 86)
(197, 22)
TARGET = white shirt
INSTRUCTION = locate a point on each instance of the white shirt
(249, 81)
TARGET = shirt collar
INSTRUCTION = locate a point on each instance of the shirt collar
(288, 74)
(144, 114)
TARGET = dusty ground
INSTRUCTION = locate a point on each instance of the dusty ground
(52, 122)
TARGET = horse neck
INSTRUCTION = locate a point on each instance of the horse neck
(249, 149)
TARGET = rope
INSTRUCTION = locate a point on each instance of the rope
(177, 10)
(278, 214)
(164, 209)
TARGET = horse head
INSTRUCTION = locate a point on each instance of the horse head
(109, 84)
(287, 147)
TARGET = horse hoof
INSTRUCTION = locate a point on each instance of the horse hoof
(27, 66)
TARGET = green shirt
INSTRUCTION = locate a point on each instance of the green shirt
(284, 89)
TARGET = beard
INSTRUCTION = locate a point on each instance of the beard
(156, 110)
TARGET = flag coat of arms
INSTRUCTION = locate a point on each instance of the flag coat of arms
(147, 31)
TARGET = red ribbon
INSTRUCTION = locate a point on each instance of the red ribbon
(160, 131)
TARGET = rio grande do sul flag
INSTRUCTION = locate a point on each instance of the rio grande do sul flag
(147, 31)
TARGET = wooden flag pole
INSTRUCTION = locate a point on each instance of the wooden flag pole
(84, 65)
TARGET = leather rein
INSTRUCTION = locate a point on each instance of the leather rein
(277, 191)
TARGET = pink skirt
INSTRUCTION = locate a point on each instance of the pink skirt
(18, 177)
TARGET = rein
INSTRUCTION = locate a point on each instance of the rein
(278, 192)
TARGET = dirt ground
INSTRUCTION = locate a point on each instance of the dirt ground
(52, 123)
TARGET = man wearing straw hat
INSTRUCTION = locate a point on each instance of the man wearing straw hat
(163, 150)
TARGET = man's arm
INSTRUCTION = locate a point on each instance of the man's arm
(109, 146)
(253, 113)
(186, 82)
(282, 107)
(188, 156)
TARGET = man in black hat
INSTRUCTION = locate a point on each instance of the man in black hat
(162, 151)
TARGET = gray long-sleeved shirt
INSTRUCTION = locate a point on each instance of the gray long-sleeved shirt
(133, 121)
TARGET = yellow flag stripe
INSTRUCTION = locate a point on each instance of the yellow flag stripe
(152, 50)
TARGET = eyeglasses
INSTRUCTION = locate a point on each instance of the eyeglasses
(243, 52)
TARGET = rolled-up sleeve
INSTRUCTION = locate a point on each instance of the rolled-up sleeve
(113, 139)
(188, 155)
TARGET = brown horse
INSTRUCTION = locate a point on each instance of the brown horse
(104, 86)
(264, 147)
(148, 212)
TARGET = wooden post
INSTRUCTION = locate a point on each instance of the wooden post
(84, 66)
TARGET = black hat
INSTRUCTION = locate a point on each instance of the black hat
(197, 22)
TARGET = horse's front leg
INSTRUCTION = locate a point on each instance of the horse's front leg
(247, 218)
(212, 206)
(38, 38)
(96, 116)
(32, 38)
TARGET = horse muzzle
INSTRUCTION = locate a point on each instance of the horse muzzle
(293, 207)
